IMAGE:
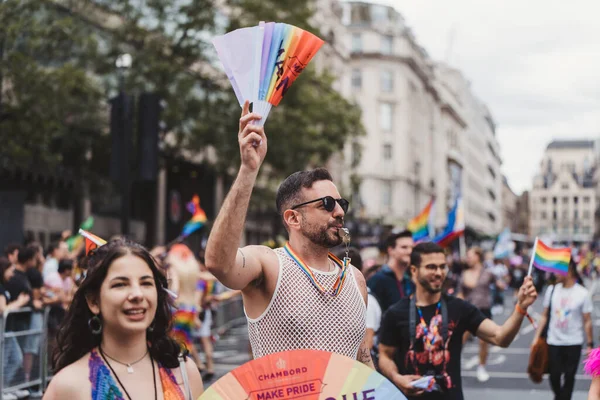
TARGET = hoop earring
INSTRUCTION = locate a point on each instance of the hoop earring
(95, 325)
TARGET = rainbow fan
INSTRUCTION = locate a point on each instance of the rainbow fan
(263, 61)
(303, 374)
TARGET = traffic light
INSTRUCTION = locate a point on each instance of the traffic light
(149, 126)
(121, 128)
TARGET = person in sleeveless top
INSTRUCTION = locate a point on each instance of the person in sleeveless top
(185, 272)
(299, 296)
(114, 342)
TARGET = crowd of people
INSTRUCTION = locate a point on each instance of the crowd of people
(123, 320)
(34, 281)
(482, 281)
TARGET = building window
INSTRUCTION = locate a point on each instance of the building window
(386, 194)
(586, 214)
(543, 215)
(554, 216)
(387, 43)
(357, 45)
(385, 116)
(565, 200)
(586, 229)
(387, 151)
(543, 200)
(554, 200)
(575, 199)
(387, 80)
(492, 195)
(565, 215)
(586, 200)
(356, 153)
(379, 14)
(575, 214)
(356, 78)
(564, 186)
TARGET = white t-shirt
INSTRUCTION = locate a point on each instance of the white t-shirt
(373, 313)
(566, 319)
(50, 266)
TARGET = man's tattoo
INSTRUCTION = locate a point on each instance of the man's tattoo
(364, 355)
(243, 258)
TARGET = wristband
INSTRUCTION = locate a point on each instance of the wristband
(525, 314)
(520, 310)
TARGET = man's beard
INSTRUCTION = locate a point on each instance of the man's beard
(321, 236)
(427, 286)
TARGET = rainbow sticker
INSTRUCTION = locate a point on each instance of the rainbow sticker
(303, 374)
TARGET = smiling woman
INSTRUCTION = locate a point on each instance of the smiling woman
(114, 340)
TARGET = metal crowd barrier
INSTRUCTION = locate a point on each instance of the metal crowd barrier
(12, 346)
(229, 314)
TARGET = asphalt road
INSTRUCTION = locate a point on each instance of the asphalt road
(507, 367)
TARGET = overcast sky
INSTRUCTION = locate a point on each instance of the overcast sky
(536, 63)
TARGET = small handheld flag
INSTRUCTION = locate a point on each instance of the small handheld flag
(455, 227)
(420, 225)
(198, 219)
(92, 241)
(74, 242)
(546, 258)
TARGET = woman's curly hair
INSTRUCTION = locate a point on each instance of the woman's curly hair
(74, 338)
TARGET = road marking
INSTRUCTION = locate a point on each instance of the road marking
(471, 363)
(496, 360)
(509, 350)
(514, 375)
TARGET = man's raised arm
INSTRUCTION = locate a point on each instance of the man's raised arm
(237, 268)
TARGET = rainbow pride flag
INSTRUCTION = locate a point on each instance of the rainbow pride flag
(92, 241)
(420, 225)
(550, 259)
(455, 227)
(198, 219)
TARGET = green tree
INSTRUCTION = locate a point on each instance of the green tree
(50, 109)
(59, 70)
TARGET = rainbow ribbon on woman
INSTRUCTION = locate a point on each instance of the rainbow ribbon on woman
(339, 283)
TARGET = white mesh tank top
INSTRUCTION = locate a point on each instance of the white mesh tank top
(299, 316)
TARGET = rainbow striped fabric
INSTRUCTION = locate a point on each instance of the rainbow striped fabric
(92, 241)
(198, 219)
(339, 282)
(455, 226)
(552, 260)
(419, 225)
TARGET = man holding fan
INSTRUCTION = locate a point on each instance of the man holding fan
(300, 296)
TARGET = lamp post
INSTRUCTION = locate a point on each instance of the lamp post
(125, 120)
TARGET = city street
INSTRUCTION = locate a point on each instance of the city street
(507, 367)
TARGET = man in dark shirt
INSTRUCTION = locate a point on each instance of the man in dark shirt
(19, 282)
(11, 251)
(433, 348)
(393, 282)
(27, 259)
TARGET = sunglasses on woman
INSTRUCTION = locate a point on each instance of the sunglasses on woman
(328, 203)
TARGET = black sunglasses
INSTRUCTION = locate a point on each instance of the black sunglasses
(328, 203)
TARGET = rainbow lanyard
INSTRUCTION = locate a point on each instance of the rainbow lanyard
(429, 337)
(339, 283)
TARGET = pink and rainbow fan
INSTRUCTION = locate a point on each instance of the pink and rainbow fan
(263, 61)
